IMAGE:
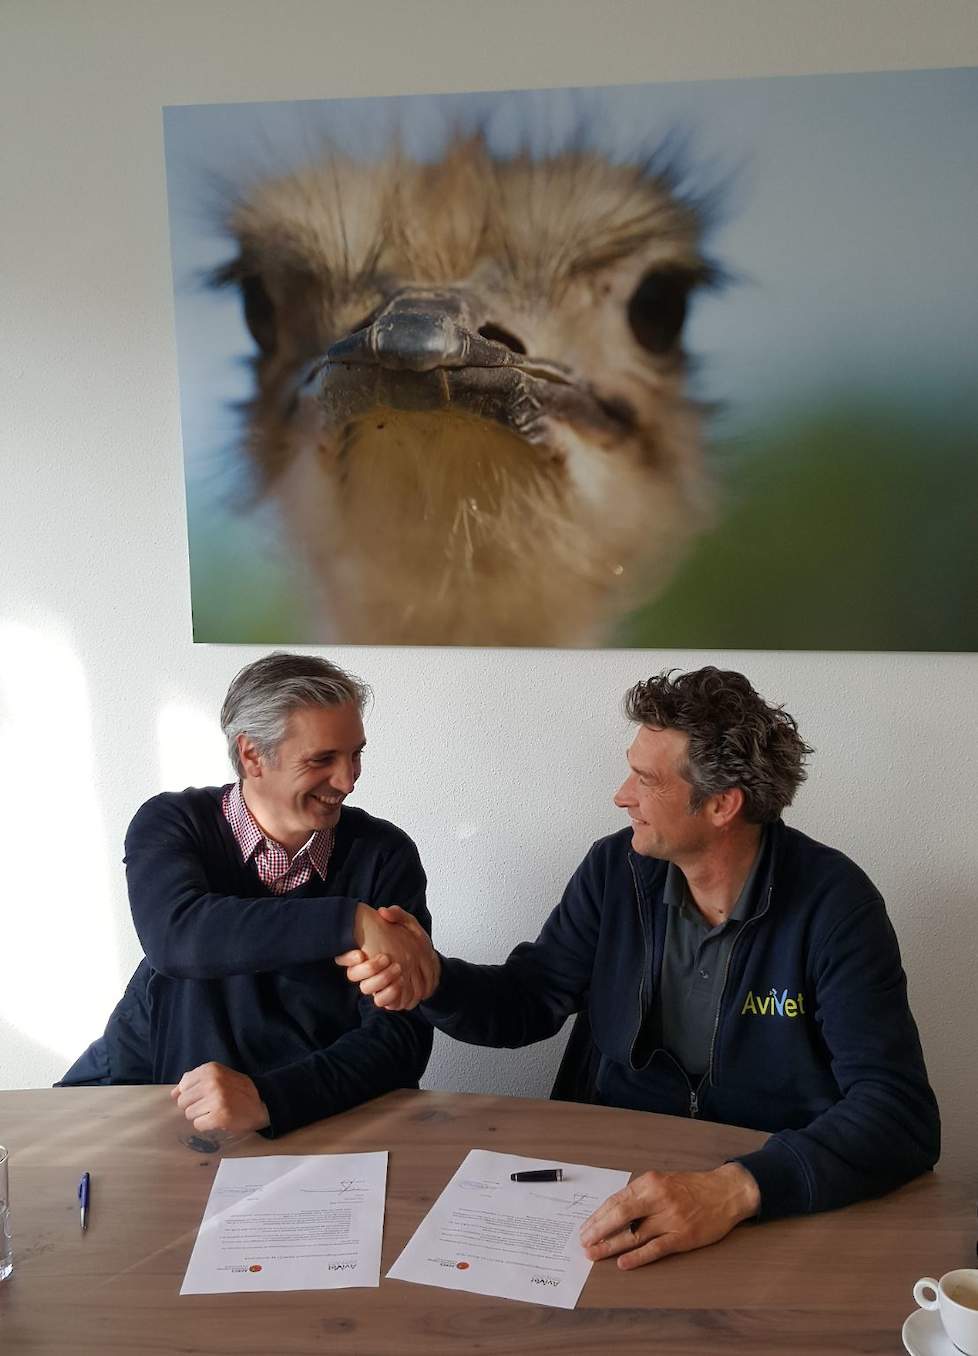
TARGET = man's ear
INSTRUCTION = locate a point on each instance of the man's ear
(249, 756)
(725, 806)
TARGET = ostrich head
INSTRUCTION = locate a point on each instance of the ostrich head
(470, 388)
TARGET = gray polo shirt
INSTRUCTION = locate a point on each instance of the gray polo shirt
(694, 962)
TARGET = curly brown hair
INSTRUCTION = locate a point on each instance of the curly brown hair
(735, 737)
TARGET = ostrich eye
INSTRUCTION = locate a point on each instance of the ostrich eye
(657, 308)
(259, 313)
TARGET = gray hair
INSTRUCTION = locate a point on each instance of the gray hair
(264, 695)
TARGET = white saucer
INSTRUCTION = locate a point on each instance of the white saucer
(924, 1335)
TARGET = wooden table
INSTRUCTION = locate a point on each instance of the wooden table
(838, 1282)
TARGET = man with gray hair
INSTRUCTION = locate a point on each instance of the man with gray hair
(723, 965)
(241, 896)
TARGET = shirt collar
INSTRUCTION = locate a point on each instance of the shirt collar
(249, 837)
(674, 891)
(320, 848)
(247, 834)
(747, 899)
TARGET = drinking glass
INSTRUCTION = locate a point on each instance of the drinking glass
(6, 1247)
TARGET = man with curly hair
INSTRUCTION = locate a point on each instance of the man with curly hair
(724, 966)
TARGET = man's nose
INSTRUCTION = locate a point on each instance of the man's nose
(344, 776)
(623, 796)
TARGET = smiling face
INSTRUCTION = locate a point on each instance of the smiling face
(315, 767)
(656, 796)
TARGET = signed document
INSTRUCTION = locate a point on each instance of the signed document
(291, 1223)
(518, 1240)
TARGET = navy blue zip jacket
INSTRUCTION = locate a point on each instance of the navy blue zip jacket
(814, 1039)
(245, 978)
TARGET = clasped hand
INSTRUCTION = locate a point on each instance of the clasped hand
(394, 962)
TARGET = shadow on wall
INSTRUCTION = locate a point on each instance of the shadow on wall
(24, 1063)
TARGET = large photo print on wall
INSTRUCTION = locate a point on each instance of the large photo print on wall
(674, 365)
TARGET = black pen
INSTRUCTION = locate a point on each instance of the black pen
(538, 1175)
(84, 1187)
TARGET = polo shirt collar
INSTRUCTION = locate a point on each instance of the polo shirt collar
(674, 890)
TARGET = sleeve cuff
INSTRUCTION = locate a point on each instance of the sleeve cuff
(445, 1002)
(285, 1093)
(346, 910)
(782, 1179)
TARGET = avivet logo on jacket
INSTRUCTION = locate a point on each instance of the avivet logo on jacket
(773, 1004)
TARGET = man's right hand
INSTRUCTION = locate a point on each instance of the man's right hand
(394, 963)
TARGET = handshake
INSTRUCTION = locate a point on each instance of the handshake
(394, 962)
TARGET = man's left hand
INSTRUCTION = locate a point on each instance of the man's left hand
(670, 1212)
(214, 1097)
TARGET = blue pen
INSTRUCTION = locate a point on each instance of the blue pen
(83, 1189)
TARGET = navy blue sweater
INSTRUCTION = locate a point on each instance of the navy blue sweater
(244, 978)
(814, 1039)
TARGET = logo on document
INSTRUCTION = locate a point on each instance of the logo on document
(773, 1004)
(255, 1266)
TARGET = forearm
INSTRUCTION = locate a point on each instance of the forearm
(862, 1147)
(501, 1006)
(206, 936)
(389, 1051)
(190, 930)
(176, 853)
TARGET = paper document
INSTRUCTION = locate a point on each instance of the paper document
(313, 1222)
(518, 1240)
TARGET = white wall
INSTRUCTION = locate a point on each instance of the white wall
(501, 764)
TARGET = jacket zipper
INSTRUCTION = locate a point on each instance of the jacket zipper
(645, 939)
(694, 1093)
(694, 1103)
(708, 1075)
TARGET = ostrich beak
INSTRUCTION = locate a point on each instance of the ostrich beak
(424, 352)
(421, 332)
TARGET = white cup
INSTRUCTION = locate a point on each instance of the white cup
(955, 1295)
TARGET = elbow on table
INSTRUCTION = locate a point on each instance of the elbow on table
(911, 1154)
(930, 1147)
(922, 1134)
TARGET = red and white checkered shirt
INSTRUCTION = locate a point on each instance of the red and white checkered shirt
(272, 862)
